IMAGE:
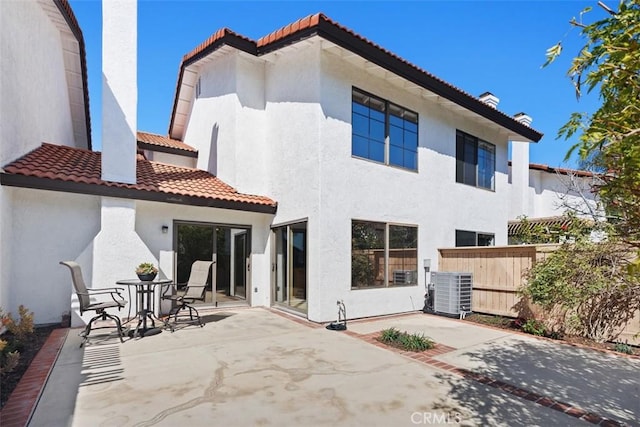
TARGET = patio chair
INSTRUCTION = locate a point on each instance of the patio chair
(100, 307)
(194, 291)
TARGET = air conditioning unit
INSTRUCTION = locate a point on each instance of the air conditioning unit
(452, 293)
(405, 277)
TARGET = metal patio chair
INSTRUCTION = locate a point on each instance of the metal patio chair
(194, 291)
(86, 304)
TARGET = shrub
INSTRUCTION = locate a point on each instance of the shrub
(409, 342)
(623, 348)
(586, 288)
(534, 327)
(24, 326)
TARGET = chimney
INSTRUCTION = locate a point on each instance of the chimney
(490, 99)
(520, 173)
(119, 90)
(523, 118)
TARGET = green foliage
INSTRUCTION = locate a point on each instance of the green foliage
(8, 361)
(21, 328)
(409, 342)
(389, 335)
(623, 348)
(586, 285)
(610, 137)
(534, 327)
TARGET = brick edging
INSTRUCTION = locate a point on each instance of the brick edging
(19, 408)
(427, 357)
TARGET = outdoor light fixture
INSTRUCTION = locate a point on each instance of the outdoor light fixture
(165, 229)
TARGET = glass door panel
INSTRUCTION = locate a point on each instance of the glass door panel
(240, 264)
(290, 266)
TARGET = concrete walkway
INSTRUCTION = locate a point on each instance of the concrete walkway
(251, 367)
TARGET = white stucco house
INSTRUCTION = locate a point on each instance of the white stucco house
(312, 165)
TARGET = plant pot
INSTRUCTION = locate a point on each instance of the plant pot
(147, 277)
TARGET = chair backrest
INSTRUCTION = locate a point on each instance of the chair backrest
(197, 283)
(78, 284)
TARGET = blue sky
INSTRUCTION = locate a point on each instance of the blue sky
(496, 46)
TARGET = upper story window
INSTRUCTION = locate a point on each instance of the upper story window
(383, 132)
(475, 161)
(472, 238)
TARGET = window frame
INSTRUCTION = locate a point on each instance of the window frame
(462, 165)
(387, 106)
(387, 225)
(477, 235)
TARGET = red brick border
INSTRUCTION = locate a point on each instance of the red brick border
(427, 357)
(22, 402)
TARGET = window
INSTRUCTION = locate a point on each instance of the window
(383, 132)
(383, 254)
(475, 161)
(471, 238)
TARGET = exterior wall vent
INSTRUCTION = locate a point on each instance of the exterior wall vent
(452, 293)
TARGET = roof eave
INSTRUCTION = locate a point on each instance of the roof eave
(228, 39)
(65, 10)
(344, 38)
(25, 181)
(167, 150)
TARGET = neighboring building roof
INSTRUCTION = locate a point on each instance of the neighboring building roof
(320, 25)
(62, 168)
(154, 142)
(81, 102)
(561, 171)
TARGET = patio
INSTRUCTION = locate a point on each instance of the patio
(261, 367)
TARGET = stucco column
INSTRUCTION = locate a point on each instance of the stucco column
(119, 90)
(520, 173)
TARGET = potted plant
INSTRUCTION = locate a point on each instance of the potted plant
(146, 271)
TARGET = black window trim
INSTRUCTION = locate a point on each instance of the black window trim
(387, 224)
(386, 131)
(477, 142)
(476, 233)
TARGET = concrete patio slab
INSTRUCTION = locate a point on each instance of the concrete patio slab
(255, 367)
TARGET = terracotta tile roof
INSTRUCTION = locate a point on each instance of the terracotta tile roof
(163, 141)
(561, 171)
(320, 24)
(72, 165)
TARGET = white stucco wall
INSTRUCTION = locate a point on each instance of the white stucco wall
(48, 227)
(34, 105)
(212, 122)
(288, 136)
(108, 237)
(152, 216)
(119, 90)
(353, 188)
(6, 234)
(551, 194)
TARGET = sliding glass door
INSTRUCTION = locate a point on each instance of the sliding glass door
(289, 284)
(227, 246)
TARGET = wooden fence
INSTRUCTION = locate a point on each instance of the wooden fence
(498, 273)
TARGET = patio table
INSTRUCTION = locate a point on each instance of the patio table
(145, 305)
